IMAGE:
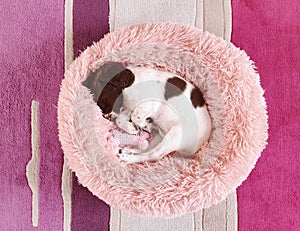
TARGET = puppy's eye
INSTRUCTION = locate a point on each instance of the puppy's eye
(149, 120)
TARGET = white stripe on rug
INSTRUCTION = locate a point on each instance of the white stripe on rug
(66, 184)
(115, 219)
(68, 42)
(32, 168)
(136, 223)
(126, 12)
(210, 15)
(217, 17)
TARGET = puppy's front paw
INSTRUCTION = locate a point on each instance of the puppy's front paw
(124, 154)
(124, 157)
(128, 156)
(130, 151)
(130, 159)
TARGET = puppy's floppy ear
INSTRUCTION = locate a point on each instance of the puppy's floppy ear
(125, 78)
(114, 73)
(109, 72)
(110, 99)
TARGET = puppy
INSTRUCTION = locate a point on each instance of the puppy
(140, 98)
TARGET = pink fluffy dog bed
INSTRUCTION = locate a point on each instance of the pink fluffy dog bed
(171, 186)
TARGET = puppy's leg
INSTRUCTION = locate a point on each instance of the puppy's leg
(169, 144)
(123, 122)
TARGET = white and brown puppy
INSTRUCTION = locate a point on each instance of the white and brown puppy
(147, 99)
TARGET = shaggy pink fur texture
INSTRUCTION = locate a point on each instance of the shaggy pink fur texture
(171, 186)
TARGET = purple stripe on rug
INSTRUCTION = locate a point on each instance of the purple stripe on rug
(269, 32)
(31, 67)
(90, 23)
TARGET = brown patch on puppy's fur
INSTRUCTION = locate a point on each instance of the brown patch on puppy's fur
(107, 83)
(97, 80)
(110, 99)
(123, 79)
(174, 87)
(197, 98)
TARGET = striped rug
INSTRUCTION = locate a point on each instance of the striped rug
(38, 41)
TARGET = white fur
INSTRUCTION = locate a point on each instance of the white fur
(182, 127)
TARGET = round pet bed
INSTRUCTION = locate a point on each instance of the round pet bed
(171, 186)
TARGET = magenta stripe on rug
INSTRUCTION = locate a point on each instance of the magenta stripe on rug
(90, 19)
(269, 32)
(31, 67)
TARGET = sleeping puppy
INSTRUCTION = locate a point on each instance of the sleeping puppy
(144, 99)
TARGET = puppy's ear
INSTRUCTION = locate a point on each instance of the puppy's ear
(125, 78)
(98, 79)
(110, 99)
(116, 74)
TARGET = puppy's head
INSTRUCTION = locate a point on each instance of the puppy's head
(106, 85)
